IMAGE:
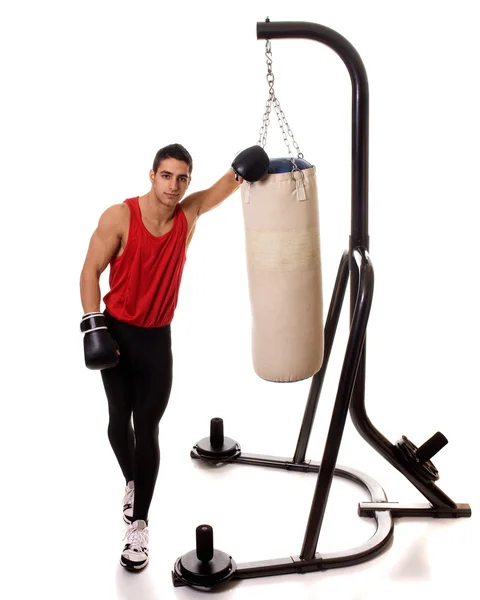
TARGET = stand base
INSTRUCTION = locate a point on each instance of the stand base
(374, 546)
(187, 572)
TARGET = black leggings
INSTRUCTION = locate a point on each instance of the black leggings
(139, 385)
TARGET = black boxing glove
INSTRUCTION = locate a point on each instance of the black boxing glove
(99, 346)
(251, 164)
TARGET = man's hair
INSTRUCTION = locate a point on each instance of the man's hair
(173, 151)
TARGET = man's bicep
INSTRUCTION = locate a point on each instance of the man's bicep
(192, 203)
(218, 192)
(104, 243)
(100, 252)
(208, 199)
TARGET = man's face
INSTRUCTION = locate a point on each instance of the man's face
(171, 181)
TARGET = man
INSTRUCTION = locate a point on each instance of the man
(145, 240)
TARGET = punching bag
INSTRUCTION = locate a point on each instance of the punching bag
(282, 240)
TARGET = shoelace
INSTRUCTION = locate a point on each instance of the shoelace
(137, 538)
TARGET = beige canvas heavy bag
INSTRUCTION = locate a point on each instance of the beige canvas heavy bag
(284, 275)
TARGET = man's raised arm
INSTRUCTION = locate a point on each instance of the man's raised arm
(249, 165)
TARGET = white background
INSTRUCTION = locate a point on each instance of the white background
(90, 92)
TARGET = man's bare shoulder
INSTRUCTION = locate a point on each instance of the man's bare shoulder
(115, 217)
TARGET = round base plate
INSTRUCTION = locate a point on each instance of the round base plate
(193, 572)
(228, 449)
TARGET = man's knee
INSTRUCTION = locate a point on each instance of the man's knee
(146, 433)
(119, 417)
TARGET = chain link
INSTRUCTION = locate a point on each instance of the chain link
(282, 120)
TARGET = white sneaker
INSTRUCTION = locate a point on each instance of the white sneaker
(135, 553)
(128, 503)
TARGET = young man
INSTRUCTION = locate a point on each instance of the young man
(144, 240)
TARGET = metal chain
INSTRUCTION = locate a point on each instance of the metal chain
(262, 140)
(282, 120)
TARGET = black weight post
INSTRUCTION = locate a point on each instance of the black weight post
(207, 567)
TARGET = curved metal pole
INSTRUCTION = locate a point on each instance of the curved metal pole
(360, 107)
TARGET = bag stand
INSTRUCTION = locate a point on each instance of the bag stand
(206, 567)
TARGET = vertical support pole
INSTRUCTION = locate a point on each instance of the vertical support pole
(318, 379)
(340, 409)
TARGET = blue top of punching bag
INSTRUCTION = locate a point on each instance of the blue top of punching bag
(284, 165)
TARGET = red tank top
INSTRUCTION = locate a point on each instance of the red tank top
(145, 278)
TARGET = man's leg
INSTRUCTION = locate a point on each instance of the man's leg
(152, 382)
(152, 393)
(120, 431)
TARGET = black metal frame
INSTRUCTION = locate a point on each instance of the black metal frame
(356, 267)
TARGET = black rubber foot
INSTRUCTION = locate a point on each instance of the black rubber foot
(204, 566)
(217, 446)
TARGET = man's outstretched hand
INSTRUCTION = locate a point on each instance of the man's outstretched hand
(251, 164)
